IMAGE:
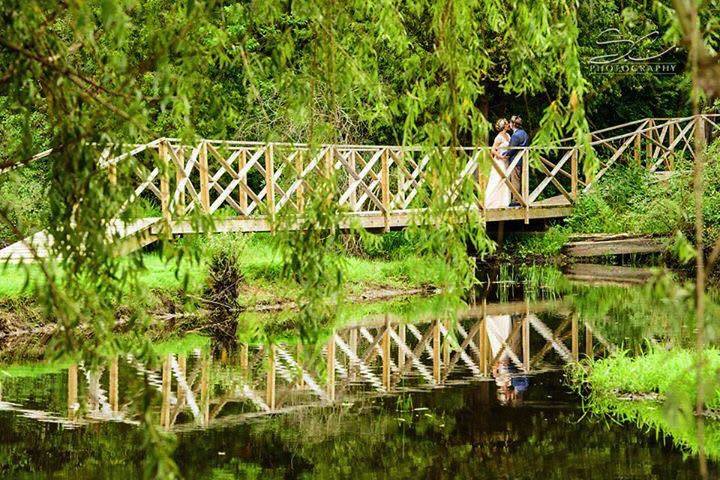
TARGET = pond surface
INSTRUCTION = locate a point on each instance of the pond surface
(406, 392)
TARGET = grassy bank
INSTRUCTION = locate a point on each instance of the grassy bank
(669, 375)
(390, 267)
(656, 391)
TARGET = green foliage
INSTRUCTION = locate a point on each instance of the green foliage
(83, 77)
(630, 199)
(669, 373)
(390, 245)
(627, 199)
(615, 99)
(546, 244)
(656, 390)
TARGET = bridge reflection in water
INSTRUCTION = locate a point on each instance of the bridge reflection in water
(506, 343)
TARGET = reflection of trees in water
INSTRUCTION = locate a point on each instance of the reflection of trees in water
(461, 436)
(650, 415)
(627, 314)
(371, 435)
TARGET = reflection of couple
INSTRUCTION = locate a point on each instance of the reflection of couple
(510, 138)
(511, 384)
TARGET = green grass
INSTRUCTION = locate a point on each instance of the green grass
(668, 373)
(548, 243)
(181, 345)
(32, 370)
(17, 281)
(656, 391)
(261, 267)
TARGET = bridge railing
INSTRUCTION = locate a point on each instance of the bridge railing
(381, 355)
(384, 185)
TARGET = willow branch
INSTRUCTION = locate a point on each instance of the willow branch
(63, 70)
(708, 65)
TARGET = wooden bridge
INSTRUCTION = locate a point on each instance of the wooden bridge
(247, 186)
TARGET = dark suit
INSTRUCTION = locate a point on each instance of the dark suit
(519, 138)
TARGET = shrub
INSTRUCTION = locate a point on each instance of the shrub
(548, 243)
(592, 214)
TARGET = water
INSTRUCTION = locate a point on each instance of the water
(403, 393)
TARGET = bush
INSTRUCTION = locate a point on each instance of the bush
(592, 214)
(548, 243)
(24, 194)
(629, 199)
(386, 246)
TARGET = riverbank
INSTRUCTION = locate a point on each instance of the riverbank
(656, 390)
(629, 199)
(261, 270)
(180, 297)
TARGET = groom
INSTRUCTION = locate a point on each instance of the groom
(518, 139)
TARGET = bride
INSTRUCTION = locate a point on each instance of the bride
(497, 193)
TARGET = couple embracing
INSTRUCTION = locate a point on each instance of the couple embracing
(508, 142)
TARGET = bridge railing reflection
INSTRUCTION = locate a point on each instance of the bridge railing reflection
(383, 355)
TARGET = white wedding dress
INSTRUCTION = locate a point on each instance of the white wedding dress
(498, 329)
(497, 193)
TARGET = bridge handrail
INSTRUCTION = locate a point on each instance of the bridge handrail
(380, 180)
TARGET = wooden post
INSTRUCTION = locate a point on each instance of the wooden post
(589, 352)
(353, 194)
(480, 339)
(242, 194)
(638, 140)
(649, 143)
(164, 181)
(575, 342)
(574, 174)
(301, 188)
(671, 156)
(446, 348)
(485, 158)
(269, 181)
(526, 343)
(401, 178)
(205, 390)
(330, 388)
(270, 387)
(204, 178)
(72, 391)
(402, 333)
(166, 384)
(385, 186)
(436, 351)
(113, 384)
(180, 207)
(244, 350)
(483, 341)
(353, 344)
(386, 355)
(112, 174)
(329, 153)
(525, 186)
(182, 367)
(671, 131)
